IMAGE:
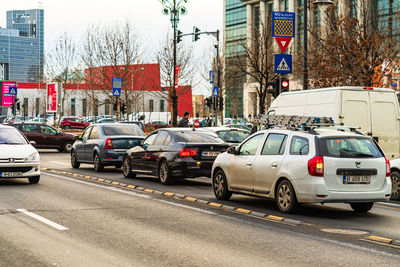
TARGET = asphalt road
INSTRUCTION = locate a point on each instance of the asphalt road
(68, 222)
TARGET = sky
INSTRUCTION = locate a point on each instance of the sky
(74, 16)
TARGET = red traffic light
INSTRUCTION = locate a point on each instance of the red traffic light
(284, 85)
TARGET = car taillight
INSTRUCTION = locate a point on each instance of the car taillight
(368, 88)
(109, 144)
(387, 167)
(316, 166)
(186, 152)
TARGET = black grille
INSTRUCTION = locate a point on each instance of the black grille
(356, 172)
(15, 169)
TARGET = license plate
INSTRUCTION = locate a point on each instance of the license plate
(10, 174)
(357, 179)
(210, 153)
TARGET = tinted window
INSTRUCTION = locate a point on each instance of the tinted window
(251, 145)
(93, 134)
(349, 148)
(31, 128)
(299, 146)
(11, 136)
(162, 136)
(150, 139)
(48, 130)
(85, 135)
(275, 144)
(122, 130)
(233, 136)
(196, 137)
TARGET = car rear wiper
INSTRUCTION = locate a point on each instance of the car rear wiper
(363, 155)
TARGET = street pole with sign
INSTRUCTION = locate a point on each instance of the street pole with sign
(117, 87)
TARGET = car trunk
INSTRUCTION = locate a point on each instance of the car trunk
(123, 143)
(207, 151)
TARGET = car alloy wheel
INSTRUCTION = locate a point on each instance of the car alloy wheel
(395, 177)
(67, 127)
(286, 198)
(74, 162)
(126, 169)
(67, 146)
(98, 167)
(164, 174)
(220, 186)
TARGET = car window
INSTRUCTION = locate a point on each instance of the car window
(93, 134)
(299, 146)
(122, 129)
(191, 136)
(168, 140)
(274, 145)
(233, 136)
(352, 147)
(30, 128)
(162, 136)
(47, 130)
(251, 145)
(85, 135)
(150, 139)
(11, 136)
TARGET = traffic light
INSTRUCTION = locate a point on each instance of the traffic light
(208, 102)
(275, 91)
(221, 103)
(196, 33)
(123, 108)
(115, 106)
(179, 37)
(284, 85)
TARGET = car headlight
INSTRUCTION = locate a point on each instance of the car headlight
(33, 157)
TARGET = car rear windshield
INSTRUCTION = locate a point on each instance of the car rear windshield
(350, 148)
(197, 137)
(11, 137)
(122, 130)
(233, 136)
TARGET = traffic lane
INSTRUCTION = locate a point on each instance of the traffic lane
(118, 227)
(382, 219)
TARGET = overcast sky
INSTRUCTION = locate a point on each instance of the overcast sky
(74, 16)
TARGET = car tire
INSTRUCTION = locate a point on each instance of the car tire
(67, 147)
(97, 165)
(362, 207)
(220, 186)
(285, 197)
(67, 127)
(395, 177)
(126, 169)
(34, 179)
(164, 173)
(74, 161)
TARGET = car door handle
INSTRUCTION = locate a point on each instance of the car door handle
(249, 164)
(274, 165)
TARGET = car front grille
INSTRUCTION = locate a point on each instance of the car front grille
(15, 169)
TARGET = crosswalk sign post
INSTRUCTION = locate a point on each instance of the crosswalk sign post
(283, 64)
(117, 87)
(215, 91)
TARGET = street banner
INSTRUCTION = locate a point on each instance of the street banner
(51, 99)
(6, 100)
(177, 67)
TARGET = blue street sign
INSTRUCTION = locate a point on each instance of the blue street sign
(12, 91)
(283, 24)
(283, 64)
(116, 91)
(116, 85)
(215, 91)
(211, 76)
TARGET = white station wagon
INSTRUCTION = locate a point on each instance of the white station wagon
(322, 165)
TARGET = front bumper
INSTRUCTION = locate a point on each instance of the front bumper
(24, 170)
(314, 190)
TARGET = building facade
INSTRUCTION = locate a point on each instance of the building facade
(21, 46)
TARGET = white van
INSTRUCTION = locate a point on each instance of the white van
(375, 110)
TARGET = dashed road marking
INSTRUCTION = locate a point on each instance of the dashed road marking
(43, 219)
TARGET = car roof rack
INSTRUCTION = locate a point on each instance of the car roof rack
(293, 122)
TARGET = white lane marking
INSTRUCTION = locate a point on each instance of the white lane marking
(389, 204)
(43, 220)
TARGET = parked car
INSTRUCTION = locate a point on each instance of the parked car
(138, 123)
(238, 126)
(107, 120)
(73, 123)
(395, 176)
(231, 136)
(317, 166)
(18, 158)
(105, 145)
(172, 153)
(46, 136)
(157, 124)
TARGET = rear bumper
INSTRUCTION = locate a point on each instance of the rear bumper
(192, 168)
(112, 157)
(314, 190)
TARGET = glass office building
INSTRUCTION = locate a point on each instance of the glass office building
(21, 46)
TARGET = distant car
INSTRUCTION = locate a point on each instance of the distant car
(231, 136)
(46, 136)
(229, 121)
(138, 123)
(107, 120)
(157, 124)
(73, 123)
(105, 145)
(18, 158)
(173, 153)
(237, 126)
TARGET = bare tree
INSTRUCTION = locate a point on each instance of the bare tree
(184, 59)
(351, 47)
(61, 62)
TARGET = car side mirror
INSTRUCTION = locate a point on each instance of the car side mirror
(231, 150)
(33, 143)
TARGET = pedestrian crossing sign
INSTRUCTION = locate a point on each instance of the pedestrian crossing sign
(215, 91)
(283, 63)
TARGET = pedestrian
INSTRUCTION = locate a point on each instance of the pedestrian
(208, 123)
(184, 122)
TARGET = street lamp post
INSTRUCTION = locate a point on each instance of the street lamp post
(305, 37)
(174, 8)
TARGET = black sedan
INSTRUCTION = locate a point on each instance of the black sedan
(174, 153)
(105, 145)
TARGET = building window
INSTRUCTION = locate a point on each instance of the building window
(84, 107)
(72, 106)
(151, 104)
(37, 106)
(161, 105)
